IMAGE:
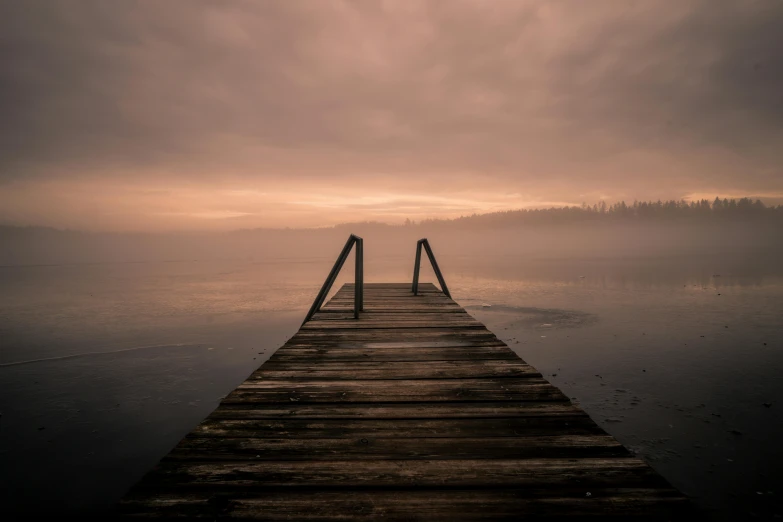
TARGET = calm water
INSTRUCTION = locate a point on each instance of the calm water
(103, 368)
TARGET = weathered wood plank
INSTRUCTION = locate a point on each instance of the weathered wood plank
(311, 355)
(394, 321)
(509, 389)
(316, 365)
(412, 504)
(407, 286)
(398, 334)
(358, 324)
(363, 370)
(399, 295)
(426, 410)
(378, 345)
(359, 348)
(519, 426)
(391, 316)
(376, 288)
(383, 306)
(542, 473)
(372, 448)
(374, 292)
(413, 411)
(401, 300)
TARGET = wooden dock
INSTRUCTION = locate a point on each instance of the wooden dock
(413, 411)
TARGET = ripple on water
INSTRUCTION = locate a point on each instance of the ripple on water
(538, 318)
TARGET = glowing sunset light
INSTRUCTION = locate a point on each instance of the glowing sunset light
(155, 116)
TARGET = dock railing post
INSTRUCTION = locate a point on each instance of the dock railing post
(358, 292)
(417, 266)
(330, 279)
(436, 268)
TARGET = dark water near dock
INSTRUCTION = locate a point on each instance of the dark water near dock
(103, 368)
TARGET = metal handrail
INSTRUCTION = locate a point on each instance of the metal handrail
(435, 267)
(358, 296)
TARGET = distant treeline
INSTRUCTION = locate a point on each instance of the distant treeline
(640, 229)
(718, 210)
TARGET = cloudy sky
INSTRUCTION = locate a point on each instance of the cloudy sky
(151, 115)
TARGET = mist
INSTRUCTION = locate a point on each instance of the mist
(521, 238)
(600, 182)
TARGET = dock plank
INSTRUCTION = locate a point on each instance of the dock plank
(314, 354)
(393, 410)
(420, 390)
(519, 426)
(310, 449)
(415, 504)
(414, 411)
(551, 473)
(369, 370)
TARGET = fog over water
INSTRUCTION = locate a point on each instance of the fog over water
(114, 346)
(152, 155)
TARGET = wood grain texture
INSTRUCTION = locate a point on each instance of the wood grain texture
(414, 411)
(371, 370)
(473, 427)
(531, 472)
(392, 410)
(413, 504)
(314, 354)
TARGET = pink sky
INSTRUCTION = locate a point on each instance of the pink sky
(219, 115)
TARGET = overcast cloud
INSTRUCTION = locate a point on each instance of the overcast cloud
(196, 114)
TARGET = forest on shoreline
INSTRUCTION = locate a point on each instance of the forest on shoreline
(702, 211)
(638, 229)
(743, 209)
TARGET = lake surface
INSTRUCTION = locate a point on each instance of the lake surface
(104, 367)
